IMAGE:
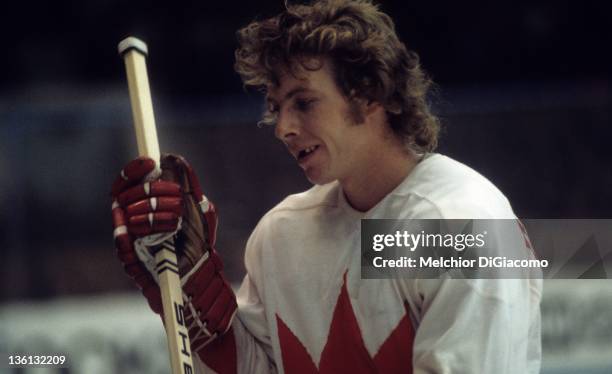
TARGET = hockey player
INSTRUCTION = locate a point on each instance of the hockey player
(349, 101)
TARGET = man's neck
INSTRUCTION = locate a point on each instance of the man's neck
(380, 175)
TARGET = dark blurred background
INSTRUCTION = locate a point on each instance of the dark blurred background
(523, 92)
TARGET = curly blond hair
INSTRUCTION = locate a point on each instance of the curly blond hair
(369, 60)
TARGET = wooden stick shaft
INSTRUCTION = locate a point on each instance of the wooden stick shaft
(142, 106)
(167, 267)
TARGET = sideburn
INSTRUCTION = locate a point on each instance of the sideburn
(355, 111)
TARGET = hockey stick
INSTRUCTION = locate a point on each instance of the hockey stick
(134, 52)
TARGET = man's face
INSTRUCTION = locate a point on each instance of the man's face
(315, 122)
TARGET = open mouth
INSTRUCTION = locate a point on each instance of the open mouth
(307, 152)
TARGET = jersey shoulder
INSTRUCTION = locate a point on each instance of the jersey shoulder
(302, 207)
(453, 190)
(295, 214)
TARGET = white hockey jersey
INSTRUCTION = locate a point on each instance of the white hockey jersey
(303, 307)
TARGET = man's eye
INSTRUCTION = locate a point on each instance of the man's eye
(304, 105)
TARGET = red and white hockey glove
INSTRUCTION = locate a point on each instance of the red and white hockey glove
(150, 206)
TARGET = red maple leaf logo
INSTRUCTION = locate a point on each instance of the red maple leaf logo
(345, 351)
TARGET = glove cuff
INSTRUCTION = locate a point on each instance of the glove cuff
(207, 317)
(185, 278)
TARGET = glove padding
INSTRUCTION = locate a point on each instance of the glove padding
(147, 213)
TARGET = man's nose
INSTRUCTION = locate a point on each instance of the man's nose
(286, 127)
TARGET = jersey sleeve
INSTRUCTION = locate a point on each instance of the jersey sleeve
(246, 348)
(476, 325)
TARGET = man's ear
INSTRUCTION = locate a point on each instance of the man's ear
(371, 106)
(362, 108)
(371, 109)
